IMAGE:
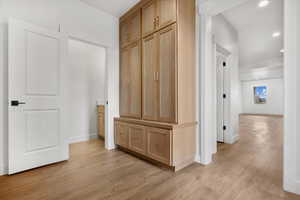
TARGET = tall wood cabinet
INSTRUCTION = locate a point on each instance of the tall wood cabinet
(157, 82)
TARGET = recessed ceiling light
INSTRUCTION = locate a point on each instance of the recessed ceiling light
(263, 3)
(282, 51)
(276, 34)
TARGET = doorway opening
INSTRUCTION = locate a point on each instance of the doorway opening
(247, 53)
(86, 91)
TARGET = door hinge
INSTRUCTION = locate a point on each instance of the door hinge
(224, 128)
(224, 64)
(224, 96)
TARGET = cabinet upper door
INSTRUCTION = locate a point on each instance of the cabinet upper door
(135, 80)
(125, 82)
(135, 26)
(149, 15)
(167, 74)
(166, 12)
(150, 83)
(124, 33)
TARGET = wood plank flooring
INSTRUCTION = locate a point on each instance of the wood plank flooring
(251, 169)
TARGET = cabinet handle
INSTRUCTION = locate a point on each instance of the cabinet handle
(154, 76)
(157, 76)
(157, 21)
(154, 22)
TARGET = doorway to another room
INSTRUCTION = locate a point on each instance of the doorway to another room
(87, 92)
(248, 51)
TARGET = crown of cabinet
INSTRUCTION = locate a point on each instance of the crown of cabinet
(158, 14)
(149, 17)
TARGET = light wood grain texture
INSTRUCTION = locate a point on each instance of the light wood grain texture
(130, 29)
(130, 81)
(186, 61)
(154, 124)
(135, 81)
(168, 77)
(159, 145)
(166, 12)
(135, 26)
(167, 74)
(137, 139)
(174, 146)
(149, 14)
(124, 33)
(101, 120)
(150, 84)
(184, 146)
(125, 91)
(122, 134)
(251, 169)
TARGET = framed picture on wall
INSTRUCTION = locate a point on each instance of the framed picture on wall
(260, 94)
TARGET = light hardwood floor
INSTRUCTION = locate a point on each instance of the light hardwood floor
(251, 169)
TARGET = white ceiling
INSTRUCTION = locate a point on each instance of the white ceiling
(255, 27)
(114, 7)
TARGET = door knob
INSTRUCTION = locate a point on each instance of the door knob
(16, 103)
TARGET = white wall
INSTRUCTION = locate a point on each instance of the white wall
(78, 20)
(226, 36)
(86, 88)
(267, 73)
(275, 97)
(291, 169)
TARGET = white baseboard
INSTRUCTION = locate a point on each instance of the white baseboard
(292, 186)
(3, 170)
(234, 139)
(202, 161)
(82, 138)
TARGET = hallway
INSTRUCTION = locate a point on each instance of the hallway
(251, 169)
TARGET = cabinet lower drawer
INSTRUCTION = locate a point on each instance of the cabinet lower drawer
(154, 143)
(138, 139)
(122, 134)
(159, 145)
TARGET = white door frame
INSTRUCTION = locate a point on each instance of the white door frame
(207, 9)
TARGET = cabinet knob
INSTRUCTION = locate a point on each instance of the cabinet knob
(157, 21)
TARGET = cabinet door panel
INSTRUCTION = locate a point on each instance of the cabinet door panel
(135, 81)
(125, 82)
(150, 86)
(130, 81)
(101, 124)
(159, 145)
(167, 72)
(124, 33)
(166, 12)
(137, 139)
(148, 17)
(122, 135)
(135, 27)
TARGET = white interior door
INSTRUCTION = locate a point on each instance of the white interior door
(221, 97)
(36, 115)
